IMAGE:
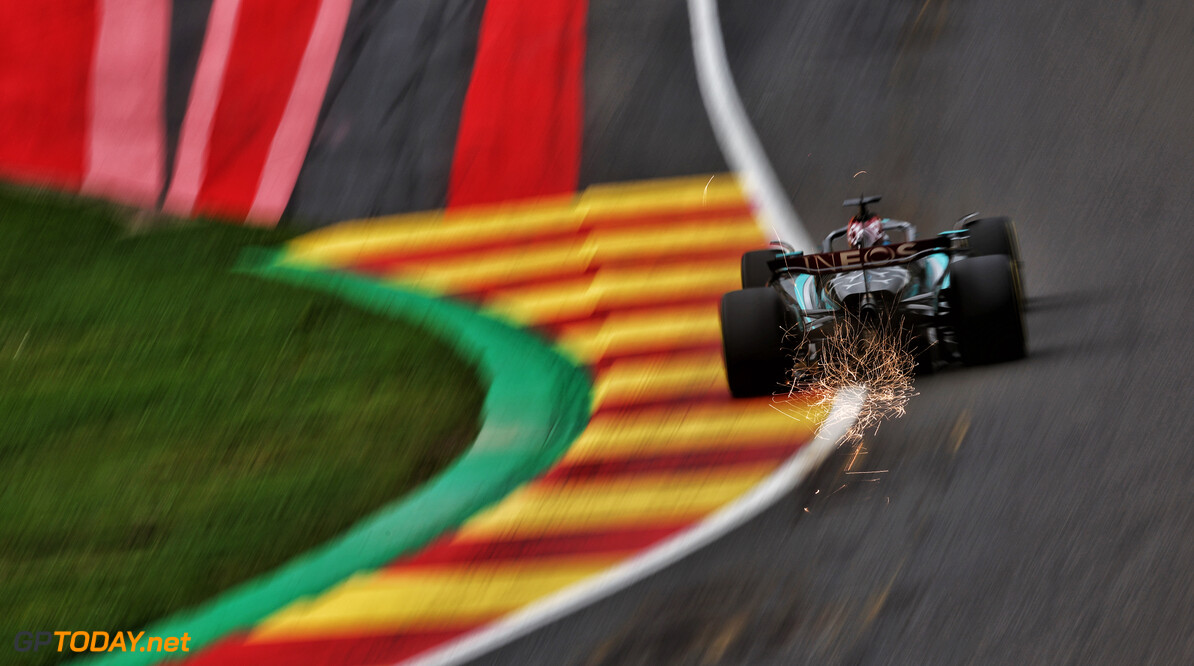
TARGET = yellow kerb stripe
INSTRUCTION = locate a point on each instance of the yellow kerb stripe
(632, 380)
(615, 288)
(559, 259)
(556, 260)
(421, 232)
(349, 241)
(664, 194)
(697, 427)
(645, 499)
(433, 598)
(643, 332)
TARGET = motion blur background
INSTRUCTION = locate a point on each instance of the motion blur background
(1034, 512)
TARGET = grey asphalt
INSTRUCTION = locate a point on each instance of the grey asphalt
(1038, 512)
(188, 23)
(387, 129)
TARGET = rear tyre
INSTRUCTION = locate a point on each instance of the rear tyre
(753, 326)
(995, 235)
(987, 309)
(755, 272)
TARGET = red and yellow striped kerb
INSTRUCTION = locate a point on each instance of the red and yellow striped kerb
(624, 278)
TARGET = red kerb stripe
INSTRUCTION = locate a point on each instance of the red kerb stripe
(264, 60)
(45, 72)
(447, 551)
(676, 462)
(520, 128)
(359, 649)
(608, 359)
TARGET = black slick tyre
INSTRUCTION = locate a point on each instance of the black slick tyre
(987, 310)
(995, 235)
(752, 334)
(755, 272)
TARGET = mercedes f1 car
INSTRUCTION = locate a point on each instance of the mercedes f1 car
(956, 297)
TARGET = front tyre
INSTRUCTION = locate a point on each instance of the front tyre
(753, 326)
(987, 309)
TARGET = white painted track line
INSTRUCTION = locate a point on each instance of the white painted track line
(734, 133)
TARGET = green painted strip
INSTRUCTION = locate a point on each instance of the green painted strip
(537, 404)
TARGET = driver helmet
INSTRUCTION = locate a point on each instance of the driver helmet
(865, 232)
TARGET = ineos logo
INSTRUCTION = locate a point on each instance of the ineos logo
(866, 255)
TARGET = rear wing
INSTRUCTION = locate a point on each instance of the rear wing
(877, 256)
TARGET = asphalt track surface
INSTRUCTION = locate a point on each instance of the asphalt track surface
(1033, 512)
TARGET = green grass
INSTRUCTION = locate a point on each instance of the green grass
(169, 428)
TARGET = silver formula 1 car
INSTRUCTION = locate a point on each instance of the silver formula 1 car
(955, 297)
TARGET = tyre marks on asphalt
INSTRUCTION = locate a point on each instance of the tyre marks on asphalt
(624, 278)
